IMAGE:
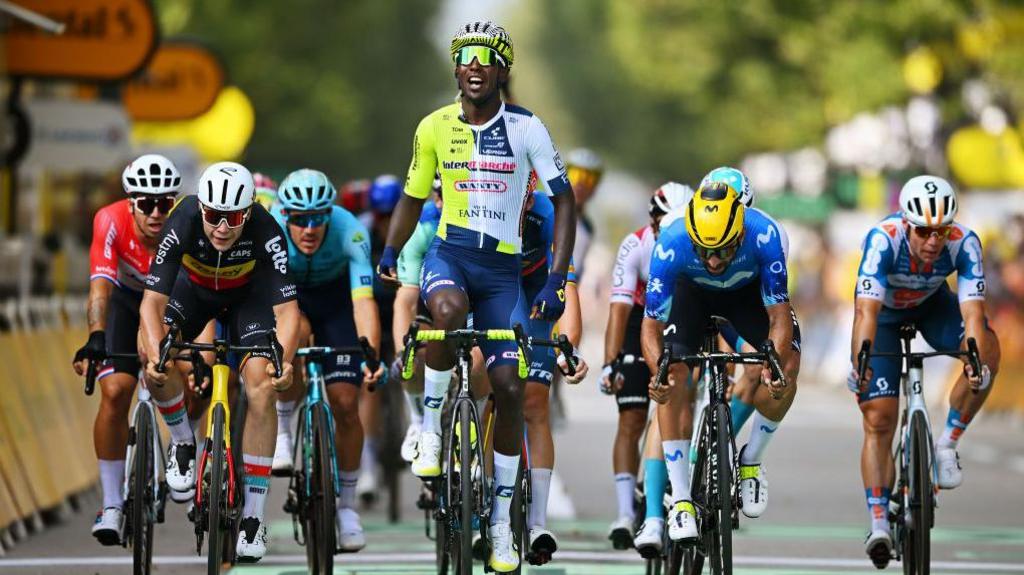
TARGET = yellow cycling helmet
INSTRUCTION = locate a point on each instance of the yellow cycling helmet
(714, 217)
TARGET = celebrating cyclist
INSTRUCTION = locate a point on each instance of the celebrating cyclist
(729, 262)
(219, 256)
(329, 251)
(902, 278)
(124, 238)
(485, 151)
(625, 314)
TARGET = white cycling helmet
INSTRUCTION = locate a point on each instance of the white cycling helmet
(227, 187)
(584, 158)
(151, 174)
(669, 196)
(928, 201)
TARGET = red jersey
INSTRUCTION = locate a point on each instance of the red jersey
(116, 253)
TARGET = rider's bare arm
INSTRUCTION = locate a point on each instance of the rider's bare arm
(571, 323)
(151, 322)
(615, 332)
(404, 312)
(288, 315)
(367, 320)
(780, 329)
(865, 322)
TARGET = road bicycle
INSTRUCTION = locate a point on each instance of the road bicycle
(315, 484)
(913, 515)
(713, 485)
(219, 497)
(144, 489)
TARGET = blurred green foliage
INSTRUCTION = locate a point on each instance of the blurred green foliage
(337, 86)
(672, 88)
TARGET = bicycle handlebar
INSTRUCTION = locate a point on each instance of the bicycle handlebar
(169, 342)
(766, 355)
(364, 347)
(971, 353)
(94, 365)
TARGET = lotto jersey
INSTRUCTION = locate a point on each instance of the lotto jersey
(889, 274)
(116, 253)
(485, 173)
(760, 258)
(632, 264)
(346, 245)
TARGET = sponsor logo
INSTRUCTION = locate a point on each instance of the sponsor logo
(490, 186)
(365, 280)
(763, 239)
(675, 456)
(494, 143)
(767, 429)
(500, 166)
(252, 326)
(288, 291)
(457, 141)
(504, 491)
(711, 209)
(777, 267)
(169, 240)
(335, 375)
(663, 254)
(439, 283)
(277, 253)
(432, 402)
(430, 276)
(655, 285)
(240, 254)
(109, 241)
(482, 212)
(537, 374)
(559, 163)
(228, 170)
(358, 237)
(510, 355)
(873, 255)
(490, 360)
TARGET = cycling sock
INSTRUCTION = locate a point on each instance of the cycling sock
(256, 483)
(112, 478)
(625, 486)
(368, 459)
(435, 388)
(655, 481)
(878, 507)
(956, 424)
(284, 416)
(741, 412)
(347, 496)
(176, 418)
(505, 469)
(678, 465)
(761, 433)
(540, 482)
(415, 403)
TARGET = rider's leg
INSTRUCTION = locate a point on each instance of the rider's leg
(655, 472)
(259, 435)
(964, 403)
(626, 457)
(542, 448)
(675, 419)
(110, 434)
(449, 308)
(743, 394)
(770, 411)
(508, 434)
(344, 398)
(876, 464)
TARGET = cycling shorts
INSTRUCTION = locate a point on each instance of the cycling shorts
(633, 394)
(694, 305)
(246, 312)
(938, 320)
(122, 332)
(492, 285)
(542, 358)
(328, 307)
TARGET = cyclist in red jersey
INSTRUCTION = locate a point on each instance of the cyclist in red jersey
(124, 237)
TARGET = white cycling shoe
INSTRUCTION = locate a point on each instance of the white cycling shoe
(109, 526)
(753, 489)
(879, 548)
(648, 540)
(351, 537)
(252, 540)
(621, 533)
(283, 464)
(504, 555)
(682, 521)
(950, 472)
(181, 466)
(410, 443)
(428, 456)
(543, 545)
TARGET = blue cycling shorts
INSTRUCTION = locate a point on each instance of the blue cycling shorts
(542, 358)
(328, 307)
(490, 281)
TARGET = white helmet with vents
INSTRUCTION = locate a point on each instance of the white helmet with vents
(928, 201)
(669, 196)
(151, 174)
(227, 187)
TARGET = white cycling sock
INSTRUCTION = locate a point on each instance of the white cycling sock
(176, 418)
(761, 432)
(505, 469)
(347, 497)
(415, 403)
(625, 486)
(284, 416)
(111, 479)
(540, 482)
(677, 460)
(257, 484)
(435, 388)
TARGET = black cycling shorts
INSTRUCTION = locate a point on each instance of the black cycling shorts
(328, 307)
(246, 312)
(633, 394)
(694, 305)
(122, 331)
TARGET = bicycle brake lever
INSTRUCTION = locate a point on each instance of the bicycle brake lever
(567, 350)
(663, 362)
(772, 356)
(974, 359)
(863, 357)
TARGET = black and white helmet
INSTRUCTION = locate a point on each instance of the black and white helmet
(227, 187)
(151, 174)
(484, 33)
(928, 201)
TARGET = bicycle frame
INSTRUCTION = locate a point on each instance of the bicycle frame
(221, 374)
(145, 402)
(316, 398)
(912, 378)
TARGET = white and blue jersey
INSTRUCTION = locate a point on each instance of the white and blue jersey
(760, 258)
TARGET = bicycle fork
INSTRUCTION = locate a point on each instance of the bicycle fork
(219, 397)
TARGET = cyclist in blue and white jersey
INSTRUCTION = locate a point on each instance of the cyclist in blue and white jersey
(722, 261)
(329, 251)
(903, 277)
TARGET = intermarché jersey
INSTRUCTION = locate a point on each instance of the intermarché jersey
(889, 274)
(260, 253)
(116, 253)
(346, 245)
(760, 258)
(485, 173)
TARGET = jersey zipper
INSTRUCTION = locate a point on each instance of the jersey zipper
(216, 272)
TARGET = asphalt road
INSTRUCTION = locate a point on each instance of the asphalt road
(815, 523)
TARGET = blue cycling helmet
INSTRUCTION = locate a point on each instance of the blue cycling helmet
(306, 190)
(385, 193)
(735, 179)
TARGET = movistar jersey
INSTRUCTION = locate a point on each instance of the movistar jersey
(889, 274)
(410, 261)
(759, 258)
(485, 173)
(346, 245)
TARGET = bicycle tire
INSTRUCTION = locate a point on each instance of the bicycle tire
(723, 455)
(520, 513)
(921, 498)
(440, 534)
(142, 494)
(466, 499)
(215, 495)
(690, 560)
(305, 450)
(324, 504)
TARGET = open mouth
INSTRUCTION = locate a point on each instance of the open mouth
(475, 82)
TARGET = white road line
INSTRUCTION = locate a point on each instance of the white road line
(576, 556)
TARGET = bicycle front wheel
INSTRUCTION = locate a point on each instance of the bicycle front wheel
(323, 507)
(723, 456)
(142, 494)
(215, 490)
(917, 543)
(466, 497)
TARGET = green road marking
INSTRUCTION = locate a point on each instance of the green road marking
(561, 569)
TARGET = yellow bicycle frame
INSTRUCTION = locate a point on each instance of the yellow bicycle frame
(221, 373)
